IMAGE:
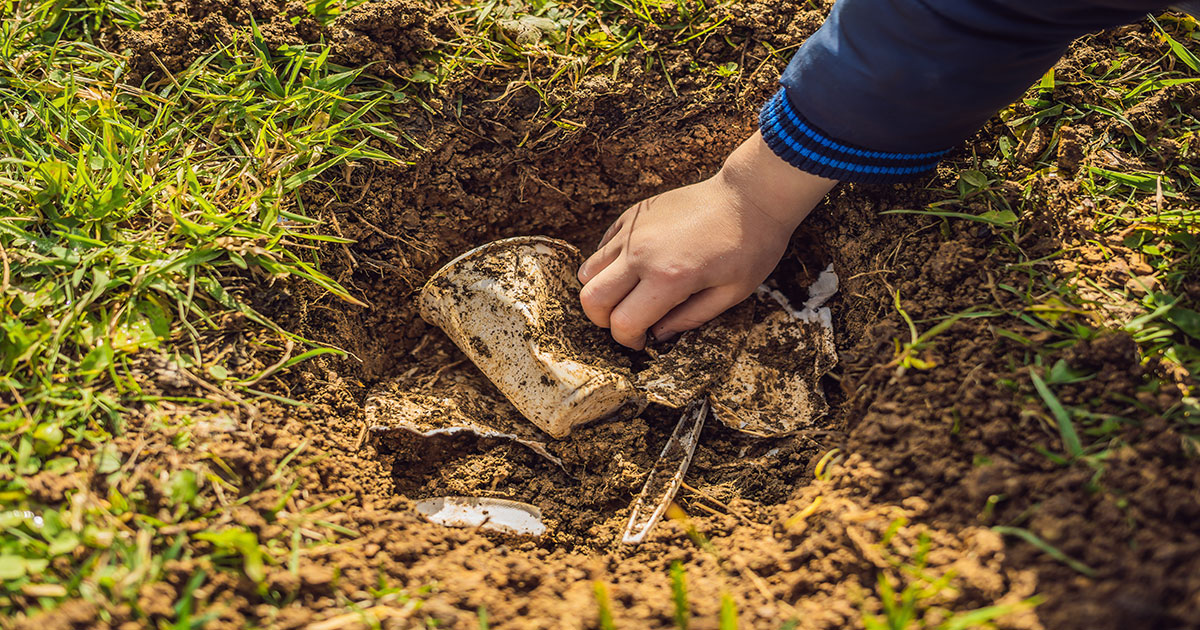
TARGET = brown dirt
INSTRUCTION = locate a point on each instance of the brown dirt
(939, 454)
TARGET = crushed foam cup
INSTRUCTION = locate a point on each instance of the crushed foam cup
(512, 307)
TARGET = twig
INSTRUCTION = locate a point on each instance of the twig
(362, 435)
(337, 228)
(438, 374)
(729, 508)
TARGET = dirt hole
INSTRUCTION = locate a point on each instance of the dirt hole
(410, 222)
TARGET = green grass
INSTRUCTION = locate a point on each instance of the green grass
(679, 595)
(549, 48)
(604, 611)
(1150, 207)
(910, 594)
(1136, 196)
(1131, 190)
(133, 221)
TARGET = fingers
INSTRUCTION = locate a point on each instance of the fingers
(605, 290)
(608, 250)
(597, 262)
(696, 311)
(647, 303)
(611, 231)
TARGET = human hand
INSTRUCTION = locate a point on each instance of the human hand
(677, 260)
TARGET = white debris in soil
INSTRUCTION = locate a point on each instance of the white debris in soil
(498, 515)
(820, 291)
(782, 394)
(667, 474)
(425, 416)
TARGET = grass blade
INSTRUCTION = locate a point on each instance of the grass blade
(1065, 427)
(1031, 538)
(679, 595)
(604, 603)
(729, 613)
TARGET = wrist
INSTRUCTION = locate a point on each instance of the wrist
(765, 181)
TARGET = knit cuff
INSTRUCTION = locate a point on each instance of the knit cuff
(802, 145)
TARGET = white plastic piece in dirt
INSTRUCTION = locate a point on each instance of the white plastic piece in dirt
(825, 287)
(667, 474)
(426, 416)
(499, 515)
(773, 387)
(512, 307)
(696, 360)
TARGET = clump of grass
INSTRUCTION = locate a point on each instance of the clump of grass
(1135, 191)
(911, 593)
(550, 48)
(133, 222)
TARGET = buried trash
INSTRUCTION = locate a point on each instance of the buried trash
(759, 364)
(425, 417)
(509, 306)
(667, 474)
(697, 360)
(512, 308)
(498, 515)
(773, 387)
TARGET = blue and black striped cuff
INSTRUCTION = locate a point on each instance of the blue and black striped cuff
(802, 145)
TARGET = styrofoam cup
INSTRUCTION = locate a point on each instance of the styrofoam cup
(512, 306)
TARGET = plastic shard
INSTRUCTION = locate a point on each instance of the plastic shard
(512, 307)
(773, 387)
(667, 474)
(425, 417)
(499, 515)
(699, 358)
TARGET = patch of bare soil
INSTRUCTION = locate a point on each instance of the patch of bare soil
(931, 456)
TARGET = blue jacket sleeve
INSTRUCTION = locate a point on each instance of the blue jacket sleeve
(886, 87)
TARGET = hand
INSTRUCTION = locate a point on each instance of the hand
(677, 260)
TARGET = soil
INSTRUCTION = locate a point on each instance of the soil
(926, 457)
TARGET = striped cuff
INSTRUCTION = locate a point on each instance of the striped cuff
(802, 145)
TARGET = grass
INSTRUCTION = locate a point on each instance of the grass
(1051, 551)
(1127, 255)
(911, 596)
(1139, 191)
(603, 606)
(679, 595)
(550, 48)
(133, 222)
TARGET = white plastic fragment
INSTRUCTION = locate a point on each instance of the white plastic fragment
(512, 307)
(773, 387)
(667, 474)
(426, 416)
(825, 287)
(499, 515)
(696, 360)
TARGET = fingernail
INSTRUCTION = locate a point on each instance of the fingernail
(662, 336)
